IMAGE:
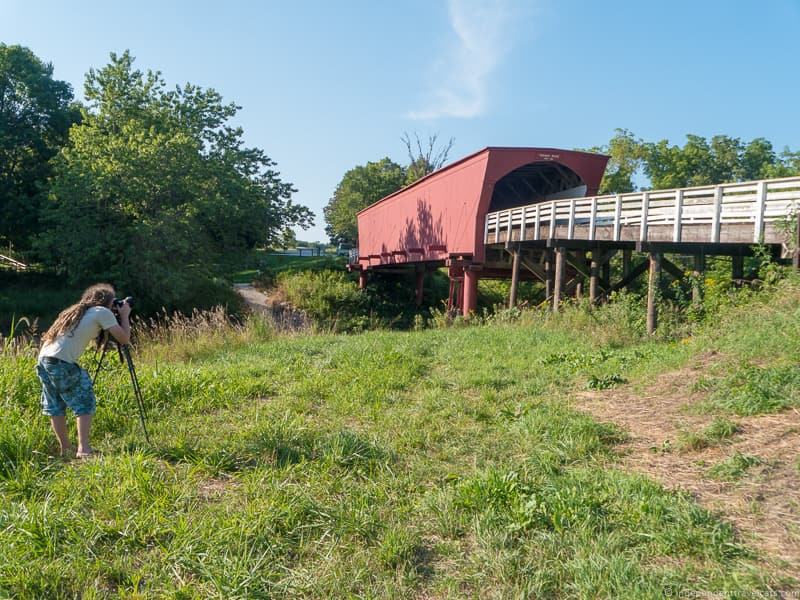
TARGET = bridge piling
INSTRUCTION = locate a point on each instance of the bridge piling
(548, 274)
(594, 270)
(559, 277)
(580, 256)
(699, 268)
(626, 262)
(512, 296)
(652, 292)
(470, 291)
(737, 268)
(796, 253)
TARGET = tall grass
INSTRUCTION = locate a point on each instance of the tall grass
(200, 334)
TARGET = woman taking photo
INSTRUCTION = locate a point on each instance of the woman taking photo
(64, 383)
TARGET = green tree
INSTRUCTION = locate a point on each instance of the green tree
(35, 116)
(757, 158)
(360, 187)
(625, 158)
(724, 159)
(672, 166)
(787, 164)
(155, 187)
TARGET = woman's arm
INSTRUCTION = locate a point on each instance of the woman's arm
(122, 331)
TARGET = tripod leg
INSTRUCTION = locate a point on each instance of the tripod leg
(100, 362)
(137, 392)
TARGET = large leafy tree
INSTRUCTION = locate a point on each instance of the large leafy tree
(625, 158)
(698, 162)
(35, 116)
(155, 186)
(723, 159)
(360, 187)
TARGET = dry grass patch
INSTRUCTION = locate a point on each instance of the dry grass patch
(762, 502)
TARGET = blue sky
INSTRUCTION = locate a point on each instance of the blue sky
(325, 86)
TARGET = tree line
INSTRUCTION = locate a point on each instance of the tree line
(144, 185)
(722, 159)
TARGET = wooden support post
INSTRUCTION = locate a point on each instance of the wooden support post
(548, 274)
(559, 277)
(420, 287)
(626, 262)
(737, 267)
(652, 292)
(699, 268)
(594, 284)
(796, 253)
(362, 280)
(580, 255)
(512, 296)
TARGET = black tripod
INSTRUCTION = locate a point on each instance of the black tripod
(124, 351)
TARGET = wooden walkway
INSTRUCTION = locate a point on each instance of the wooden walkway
(582, 235)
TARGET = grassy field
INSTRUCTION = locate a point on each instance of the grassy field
(438, 463)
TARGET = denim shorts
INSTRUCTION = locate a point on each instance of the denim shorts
(65, 385)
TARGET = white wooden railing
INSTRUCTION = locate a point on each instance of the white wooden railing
(705, 213)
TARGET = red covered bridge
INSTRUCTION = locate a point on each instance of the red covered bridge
(501, 208)
(440, 220)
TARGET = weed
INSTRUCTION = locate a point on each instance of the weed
(734, 467)
(604, 382)
(719, 430)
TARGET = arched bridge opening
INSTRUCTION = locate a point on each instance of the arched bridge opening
(536, 182)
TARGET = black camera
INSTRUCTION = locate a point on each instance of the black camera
(120, 301)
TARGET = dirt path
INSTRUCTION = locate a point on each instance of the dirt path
(764, 505)
(255, 299)
(283, 316)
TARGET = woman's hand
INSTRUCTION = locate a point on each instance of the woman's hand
(124, 310)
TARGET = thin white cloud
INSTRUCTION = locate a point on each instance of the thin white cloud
(483, 31)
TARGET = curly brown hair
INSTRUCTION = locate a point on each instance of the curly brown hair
(100, 294)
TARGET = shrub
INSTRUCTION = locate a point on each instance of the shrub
(330, 298)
